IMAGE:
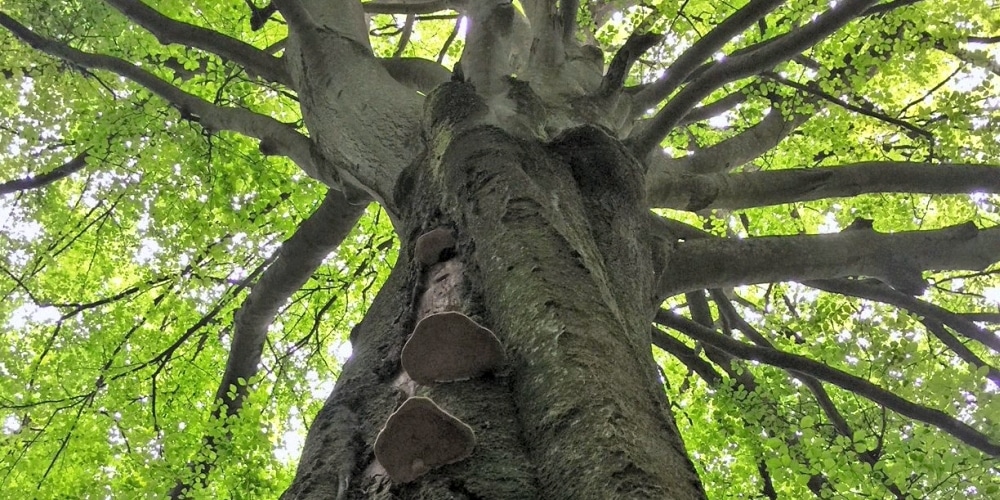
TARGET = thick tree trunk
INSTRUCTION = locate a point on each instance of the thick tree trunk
(552, 255)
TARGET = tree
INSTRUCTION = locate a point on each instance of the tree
(794, 202)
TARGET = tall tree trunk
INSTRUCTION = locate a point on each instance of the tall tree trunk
(552, 252)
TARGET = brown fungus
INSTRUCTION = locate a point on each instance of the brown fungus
(420, 436)
(432, 244)
(450, 346)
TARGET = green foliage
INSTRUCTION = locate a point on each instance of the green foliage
(119, 283)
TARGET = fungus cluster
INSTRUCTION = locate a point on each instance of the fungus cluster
(445, 346)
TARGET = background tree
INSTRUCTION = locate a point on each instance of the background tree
(800, 198)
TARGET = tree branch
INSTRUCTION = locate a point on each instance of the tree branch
(416, 73)
(716, 108)
(844, 380)
(169, 31)
(260, 15)
(621, 63)
(688, 356)
(731, 153)
(977, 58)
(758, 189)
(404, 37)
(293, 264)
(897, 259)
(873, 290)
(296, 14)
(413, 6)
(985, 317)
(40, 180)
(741, 66)
(546, 31)
(701, 314)
(886, 7)
(678, 71)
(871, 113)
(757, 140)
(938, 330)
(823, 400)
(275, 137)
(362, 118)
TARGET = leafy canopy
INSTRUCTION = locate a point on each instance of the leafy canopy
(120, 280)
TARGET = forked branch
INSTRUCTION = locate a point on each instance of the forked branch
(742, 66)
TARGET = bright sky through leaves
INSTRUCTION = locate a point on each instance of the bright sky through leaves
(119, 282)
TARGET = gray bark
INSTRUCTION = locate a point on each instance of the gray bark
(579, 412)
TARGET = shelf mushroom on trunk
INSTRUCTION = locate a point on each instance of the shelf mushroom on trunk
(434, 246)
(450, 346)
(420, 436)
(445, 346)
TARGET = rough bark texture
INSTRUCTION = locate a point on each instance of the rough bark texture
(551, 237)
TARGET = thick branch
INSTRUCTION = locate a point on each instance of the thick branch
(548, 46)
(757, 140)
(738, 150)
(313, 22)
(886, 7)
(703, 49)
(897, 259)
(275, 137)
(488, 57)
(416, 73)
(293, 264)
(985, 317)
(169, 31)
(413, 6)
(37, 181)
(841, 379)
(356, 112)
(568, 10)
(731, 153)
(260, 15)
(759, 189)
(296, 15)
(742, 66)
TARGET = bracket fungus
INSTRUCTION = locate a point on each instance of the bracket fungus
(432, 244)
(420, 436)
(450, 346)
